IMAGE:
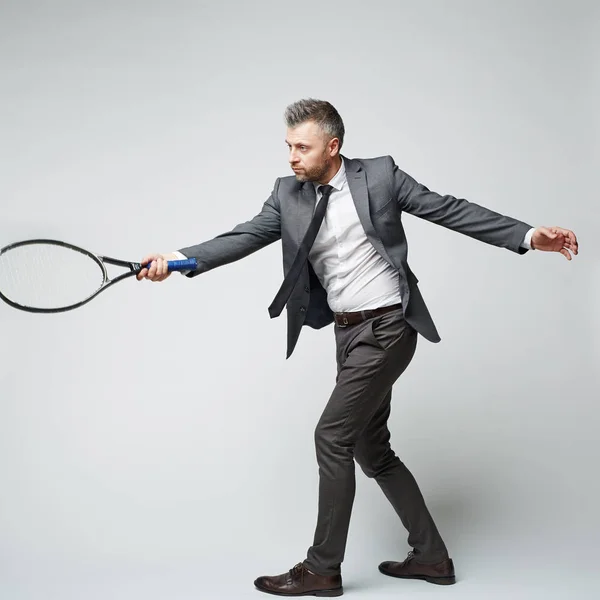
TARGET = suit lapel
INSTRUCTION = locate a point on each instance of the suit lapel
(357, 183)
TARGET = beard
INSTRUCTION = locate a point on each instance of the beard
(313, 174)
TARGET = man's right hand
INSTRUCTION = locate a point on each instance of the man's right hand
(155, 267)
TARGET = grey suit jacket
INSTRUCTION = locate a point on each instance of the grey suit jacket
(381, 193)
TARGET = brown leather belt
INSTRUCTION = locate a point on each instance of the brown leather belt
(343, 319)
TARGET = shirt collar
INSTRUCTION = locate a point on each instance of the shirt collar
(337, 181)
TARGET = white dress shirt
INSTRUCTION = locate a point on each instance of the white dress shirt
(354, 275)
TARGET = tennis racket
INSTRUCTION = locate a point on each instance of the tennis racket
(50, 276)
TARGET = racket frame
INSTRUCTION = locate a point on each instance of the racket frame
(134, 269)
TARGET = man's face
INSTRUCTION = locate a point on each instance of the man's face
(311, 154)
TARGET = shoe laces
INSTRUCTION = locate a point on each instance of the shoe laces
(299, 568)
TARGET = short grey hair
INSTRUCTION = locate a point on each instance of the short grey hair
(319, 111)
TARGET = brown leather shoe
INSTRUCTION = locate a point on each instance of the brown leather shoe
(299, 581)
(441, 573)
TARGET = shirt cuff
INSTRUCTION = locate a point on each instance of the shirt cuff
(526, 243)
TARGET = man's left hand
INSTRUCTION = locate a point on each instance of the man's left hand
(555, 239)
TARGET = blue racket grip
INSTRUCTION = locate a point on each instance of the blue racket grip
(189, 264)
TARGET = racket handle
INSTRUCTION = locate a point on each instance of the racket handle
(189, 264)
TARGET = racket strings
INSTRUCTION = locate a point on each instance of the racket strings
(48, 276)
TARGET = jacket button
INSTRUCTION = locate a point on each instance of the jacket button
(306, 289)
(302, 309)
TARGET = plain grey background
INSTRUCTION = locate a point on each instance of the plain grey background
(156, 444)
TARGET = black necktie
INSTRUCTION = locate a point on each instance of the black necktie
(285, 291)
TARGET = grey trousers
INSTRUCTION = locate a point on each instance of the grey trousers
(353, 427)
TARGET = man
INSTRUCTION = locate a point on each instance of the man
(345, 261)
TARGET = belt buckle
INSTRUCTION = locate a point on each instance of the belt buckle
(344, 321)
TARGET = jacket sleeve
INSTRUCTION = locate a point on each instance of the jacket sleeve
(457, 214)
(242, 240)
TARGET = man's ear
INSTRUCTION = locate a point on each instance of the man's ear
(333, 147)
